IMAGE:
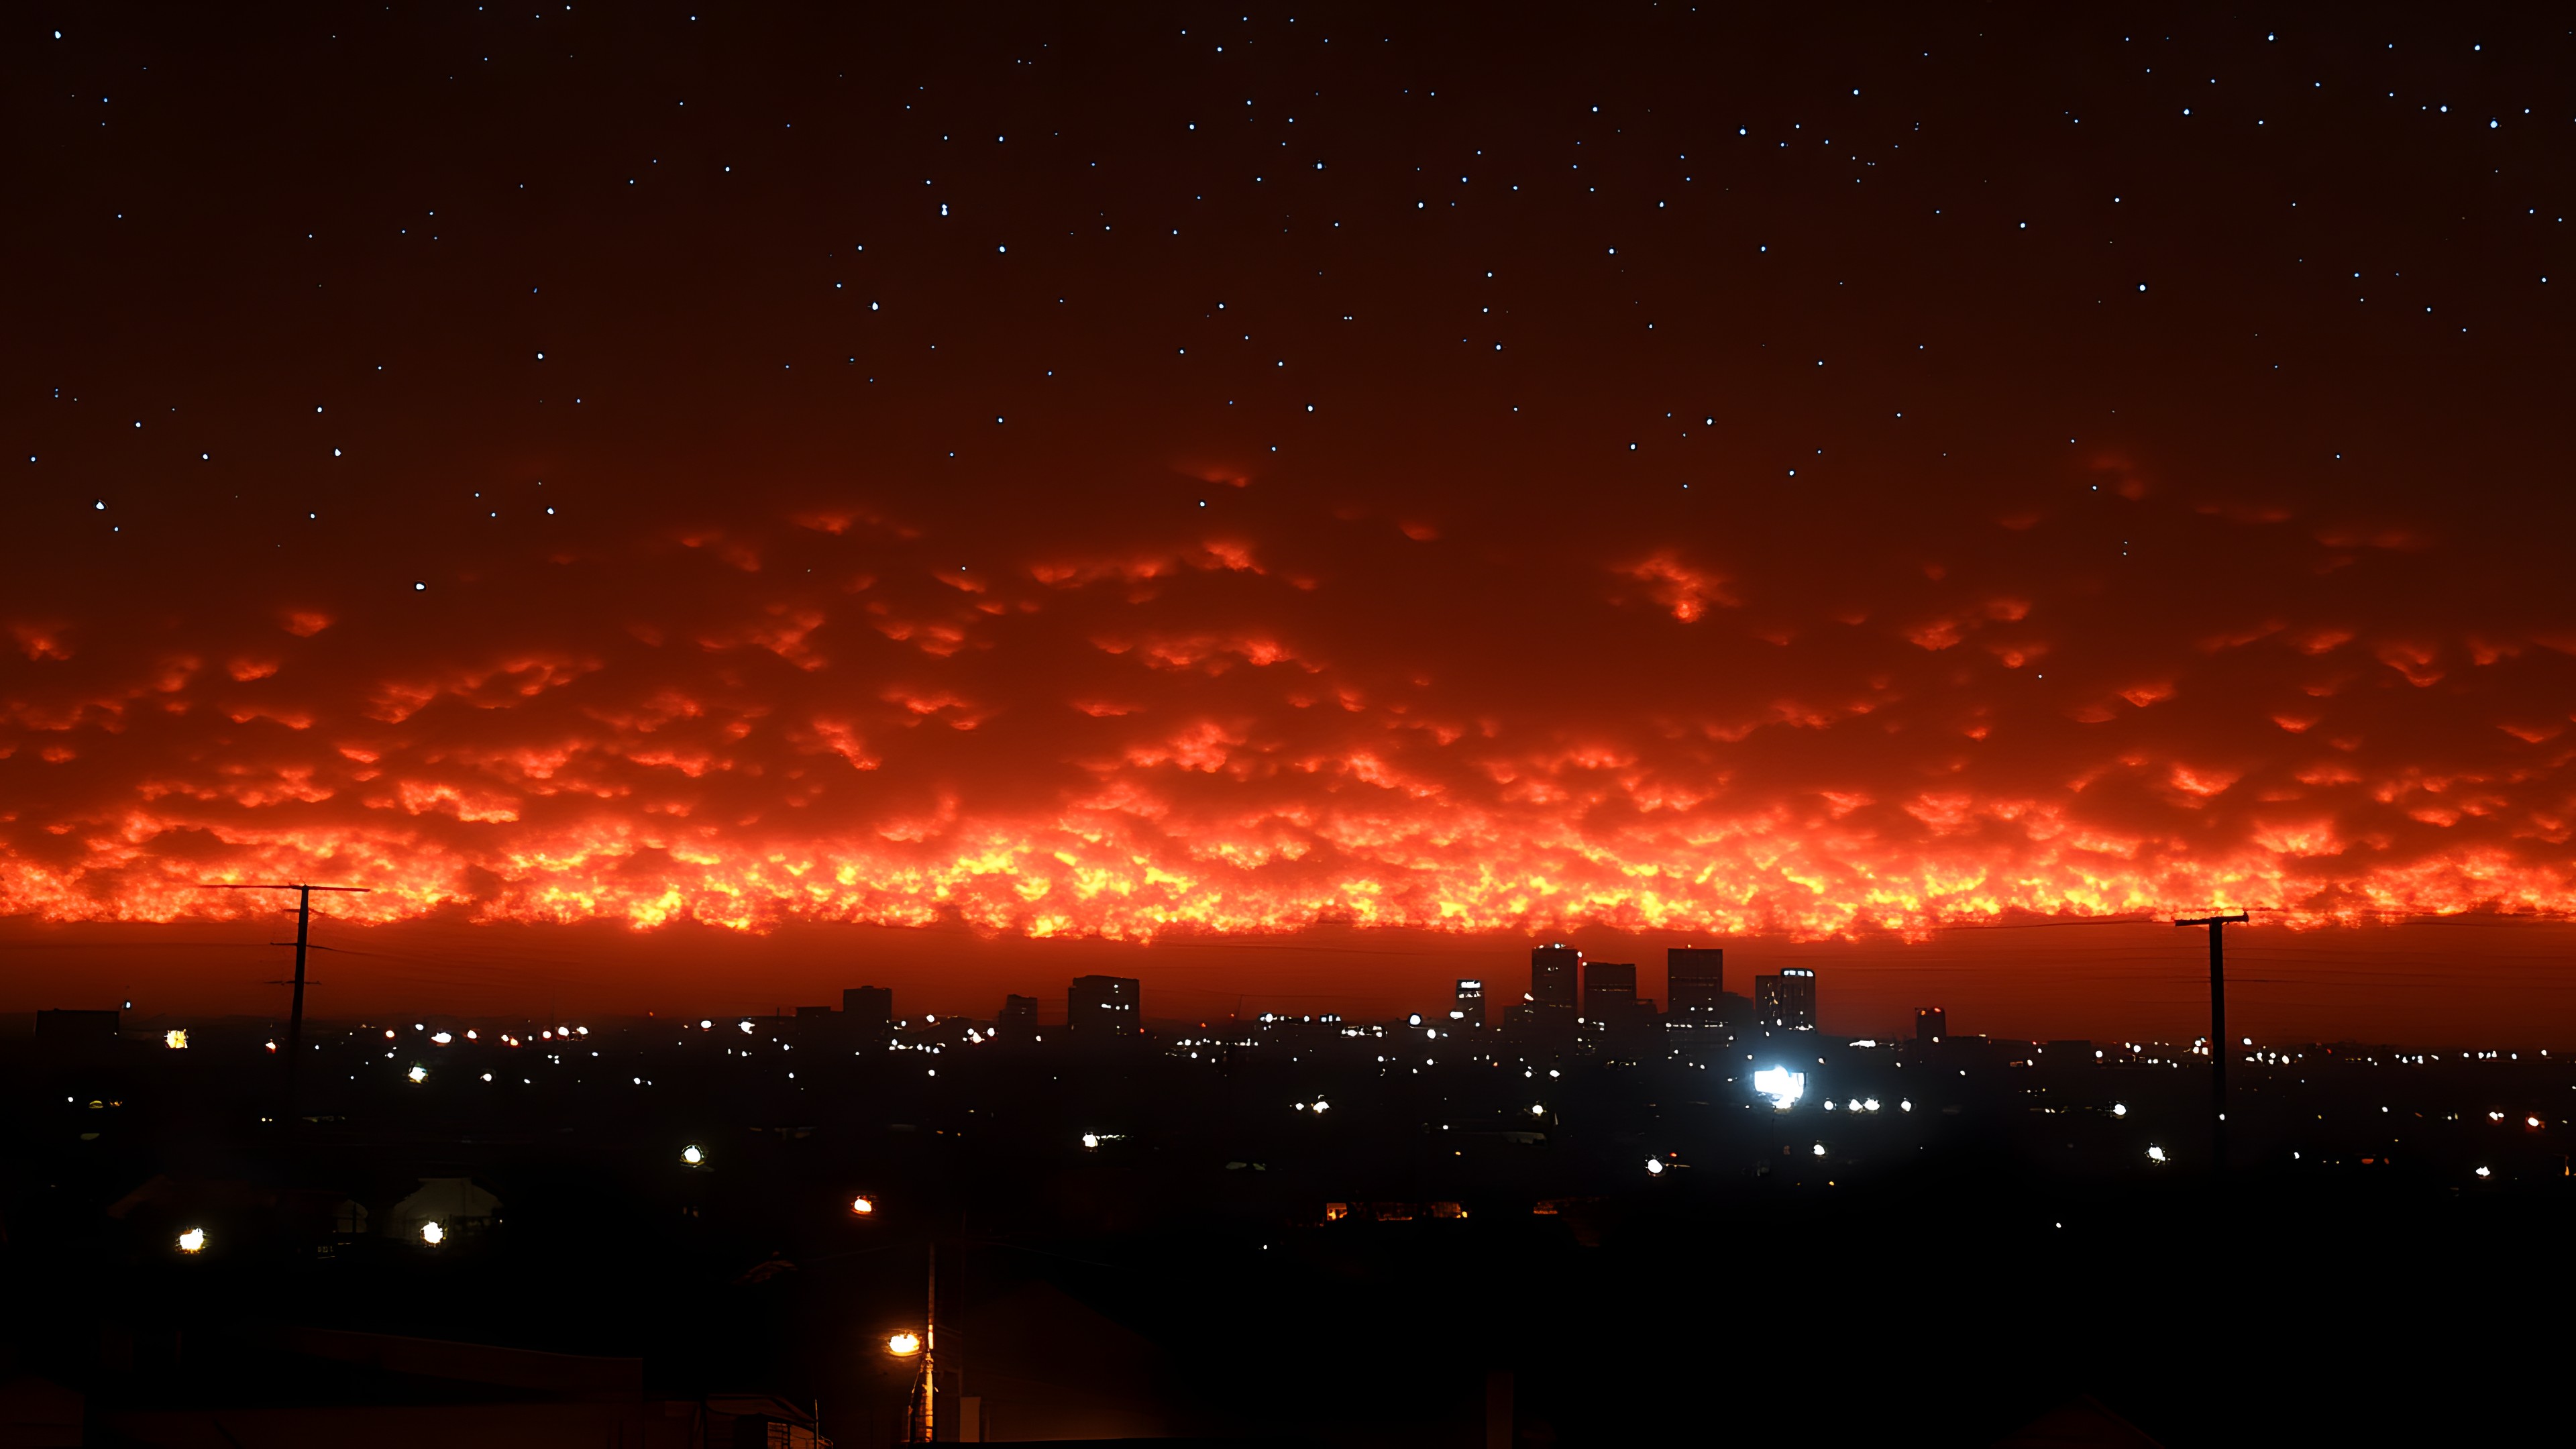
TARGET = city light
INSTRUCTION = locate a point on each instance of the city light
(2482, 1172)
(418, 1075)
(1820, 1149)
(2119, 1109)
(1090, 1141)
(443, 1038)
(1654, 1167)
(176, 1041)
(1322, 1106)
(432, 1234)
(863, 1205)
(905, 1344)
(2155, 1154)
(193, 1241)
(1781, 1085)
(692, 1156)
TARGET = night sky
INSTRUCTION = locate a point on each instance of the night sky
(1195, 476)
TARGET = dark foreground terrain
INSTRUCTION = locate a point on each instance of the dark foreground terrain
(1140, 1242)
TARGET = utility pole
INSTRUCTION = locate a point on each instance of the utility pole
(2217, 1030)
(930, 1353)
(303, 943)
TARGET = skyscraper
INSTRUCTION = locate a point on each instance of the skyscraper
(1609, 990)
(1102, 1006)
(1467, 1010)
(1694, 987)
(870, 1010)
(1786, 1002)
(1554, 971)
(1019, 1018)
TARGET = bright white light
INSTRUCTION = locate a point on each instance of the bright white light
(1414, 1020)
(193, 1241)
(1321, 1105)
(2530, 1121)
(2119, 1109)
(1781, 1085)
(1852, 1106)
(2155, 1154)
(1905, 1106)
(1538, 1109)
(2482, 1172)
(1654, 1167)
(175, 1040)
(418, 1075)
(692, 1156)
(746, 1028)
(1820, 1149)
(442, 1038)
(1090, 1141)
(432, 1234)
(706, 1026)
(1870, 1106)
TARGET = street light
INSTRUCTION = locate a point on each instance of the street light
(193, 1241)
(863, 1205)
(692, 1156)
(904, 1344)
(432, 1234)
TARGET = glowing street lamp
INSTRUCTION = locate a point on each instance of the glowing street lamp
(904, 1344)
(193, 1241)
(692, 1156)
(1781, 1085)
(432, 1234)
(418, 1075)
(863, 1205)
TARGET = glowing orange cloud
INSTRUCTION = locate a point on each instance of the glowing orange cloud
(824, 717)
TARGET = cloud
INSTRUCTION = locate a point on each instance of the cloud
(788, 714)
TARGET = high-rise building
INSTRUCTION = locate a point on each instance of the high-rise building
(1554, 974)
(1609, 990)
(1102, 1006)
(1467, 1009)
(1019, 1018)
(1786, 1002)
(1931, 1023)
(870, 1009)
(1695, 987)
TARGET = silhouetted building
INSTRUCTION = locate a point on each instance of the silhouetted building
(2064, 1056)
(1019, 1018)
(1931, 1023)
(1102, 1006)
(1468, 1008)
(1610, 991)
(64, 1028)
(1554, 974)
(1695, 987)
(1786, 1002)
(870, 1009)
(804, 1013)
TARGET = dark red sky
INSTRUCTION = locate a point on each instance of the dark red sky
(1283, 477)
